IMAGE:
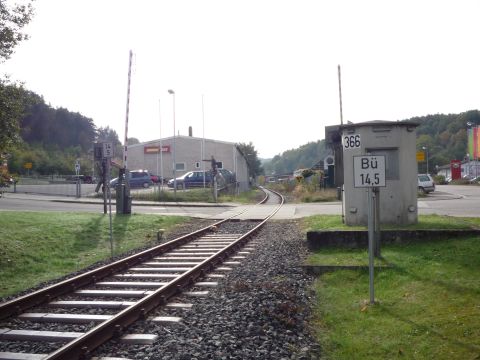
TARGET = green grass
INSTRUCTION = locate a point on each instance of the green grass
(425, 222)
(337, 257)
(35, 246)
(191, 195)
(247, 197)
(199, 195)
(304, 193)
(428, 301)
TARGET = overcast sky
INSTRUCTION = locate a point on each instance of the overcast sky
(267, 68)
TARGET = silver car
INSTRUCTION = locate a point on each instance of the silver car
(425, 184)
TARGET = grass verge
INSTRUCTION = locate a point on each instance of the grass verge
(428, 302)
(425, 222)
(39, 246)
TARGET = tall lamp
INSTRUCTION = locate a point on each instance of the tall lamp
(171, 92)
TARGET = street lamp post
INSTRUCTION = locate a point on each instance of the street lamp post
(426, 150)
(171, 92)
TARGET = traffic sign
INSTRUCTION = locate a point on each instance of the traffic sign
(369, 171)
(107, 150)
(420, 156)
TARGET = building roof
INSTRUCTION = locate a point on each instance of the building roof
(180, 137)
(407, 123)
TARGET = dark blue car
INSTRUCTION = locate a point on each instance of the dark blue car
(136, 178)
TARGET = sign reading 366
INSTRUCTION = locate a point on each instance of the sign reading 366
(351, 141)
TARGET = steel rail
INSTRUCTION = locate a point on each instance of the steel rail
(82, 346)
(18, 305)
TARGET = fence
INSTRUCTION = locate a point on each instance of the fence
(60, 185)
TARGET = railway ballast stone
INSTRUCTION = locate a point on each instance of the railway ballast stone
(260, 310)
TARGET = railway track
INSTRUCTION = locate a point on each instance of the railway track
(70, 319)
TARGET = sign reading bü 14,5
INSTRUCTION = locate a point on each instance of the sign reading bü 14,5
(369, 171)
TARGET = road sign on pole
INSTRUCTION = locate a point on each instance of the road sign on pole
(369, 172)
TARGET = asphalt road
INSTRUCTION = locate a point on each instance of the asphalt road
(446, 200)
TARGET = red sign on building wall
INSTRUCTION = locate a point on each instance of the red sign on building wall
(456, 169)
(156, 149)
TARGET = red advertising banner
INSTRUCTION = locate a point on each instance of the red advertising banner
(156, 149)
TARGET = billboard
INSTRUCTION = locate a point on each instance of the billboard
(156, 149)
(474, 142)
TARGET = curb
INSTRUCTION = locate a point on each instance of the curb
(359, 238)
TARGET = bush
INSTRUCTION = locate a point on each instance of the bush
(439, 180)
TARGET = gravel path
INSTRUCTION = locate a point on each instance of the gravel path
(260, 310)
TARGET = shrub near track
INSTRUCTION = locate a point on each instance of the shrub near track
(39, 246)
(428, 302)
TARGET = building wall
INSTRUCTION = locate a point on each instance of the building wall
(398, 200)
(188, 151)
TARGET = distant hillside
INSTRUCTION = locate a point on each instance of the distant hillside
(445, 136)
(304, 157)
(52, 139)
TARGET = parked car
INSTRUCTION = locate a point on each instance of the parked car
(136, 178)
(227, 175)
(474, 180)
(191, 179)
(155, 178)
(425, 184)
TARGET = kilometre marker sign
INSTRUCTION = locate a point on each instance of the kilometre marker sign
(369, 171)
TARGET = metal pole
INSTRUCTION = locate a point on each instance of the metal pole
(371, 239)
(377, 247)
(173, 151)
(125, 142)
(340, 94)
(104, 187)
(159, 149)
(161, 146)
(427, 160)
(203, 142)
(110, 207)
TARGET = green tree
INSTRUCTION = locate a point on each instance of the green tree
(13, 18)
(254, 165)
(305, 156)
(133, 141)
(11, 110)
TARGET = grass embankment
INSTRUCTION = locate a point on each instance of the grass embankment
(428, 302)
(199, 195)
(36, 247)
(303, 192)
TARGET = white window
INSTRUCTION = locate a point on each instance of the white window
(180, 166)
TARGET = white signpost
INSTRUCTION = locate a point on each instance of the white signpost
(77, 183)
(369, 172)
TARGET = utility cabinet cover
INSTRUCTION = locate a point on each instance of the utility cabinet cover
(396, 141)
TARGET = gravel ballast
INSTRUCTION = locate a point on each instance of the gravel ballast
(260, 310)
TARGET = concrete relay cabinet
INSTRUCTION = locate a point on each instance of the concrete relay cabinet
(397, 142)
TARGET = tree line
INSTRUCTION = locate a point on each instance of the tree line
(444, 135)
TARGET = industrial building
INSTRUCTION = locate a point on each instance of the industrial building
(191, 154)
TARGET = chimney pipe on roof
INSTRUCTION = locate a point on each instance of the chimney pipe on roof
(190, 132)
